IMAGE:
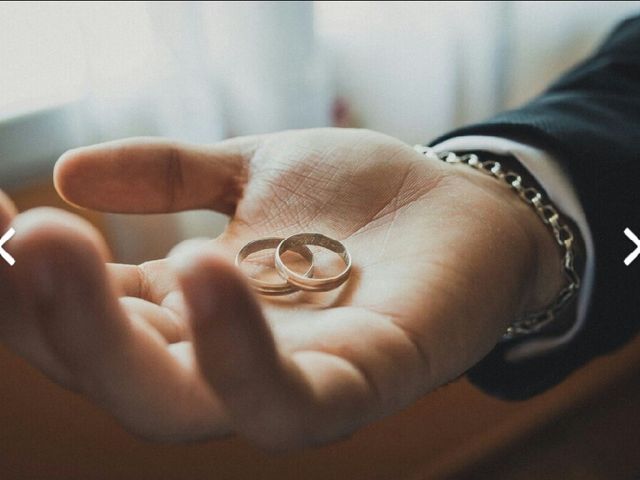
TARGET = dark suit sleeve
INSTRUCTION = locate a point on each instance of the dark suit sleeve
(590, 121)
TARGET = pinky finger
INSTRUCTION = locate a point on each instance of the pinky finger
(123, 366)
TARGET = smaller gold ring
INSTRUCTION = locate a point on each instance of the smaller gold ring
(306, 283)
(267, 288)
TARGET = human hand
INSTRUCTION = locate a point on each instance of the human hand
(181, 348)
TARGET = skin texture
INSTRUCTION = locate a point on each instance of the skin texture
(181, 349)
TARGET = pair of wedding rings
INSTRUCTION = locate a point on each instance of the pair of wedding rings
(291, 280)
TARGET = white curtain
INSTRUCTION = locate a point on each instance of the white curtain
(78, 73)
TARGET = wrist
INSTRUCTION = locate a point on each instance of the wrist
(542, 275)
(546, 256)
(547, 275)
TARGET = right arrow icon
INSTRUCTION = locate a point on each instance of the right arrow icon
(632, 256)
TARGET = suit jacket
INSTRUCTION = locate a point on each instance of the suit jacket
(590, 121)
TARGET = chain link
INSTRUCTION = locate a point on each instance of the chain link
(562, 233)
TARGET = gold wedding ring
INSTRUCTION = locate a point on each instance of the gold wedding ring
(307, 283)
(269, 288)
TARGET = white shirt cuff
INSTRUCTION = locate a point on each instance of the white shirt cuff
(548, 173)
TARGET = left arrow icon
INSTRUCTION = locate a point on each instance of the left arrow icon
(3, 253)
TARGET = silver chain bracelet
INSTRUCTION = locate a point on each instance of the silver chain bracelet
(531, 322)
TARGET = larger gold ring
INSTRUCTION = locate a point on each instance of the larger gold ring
(312, 284)
(267, 288)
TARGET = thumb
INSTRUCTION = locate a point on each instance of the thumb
(150, 175)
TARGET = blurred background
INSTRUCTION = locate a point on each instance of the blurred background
(73, 74)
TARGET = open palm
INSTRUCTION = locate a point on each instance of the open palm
(181, 348)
